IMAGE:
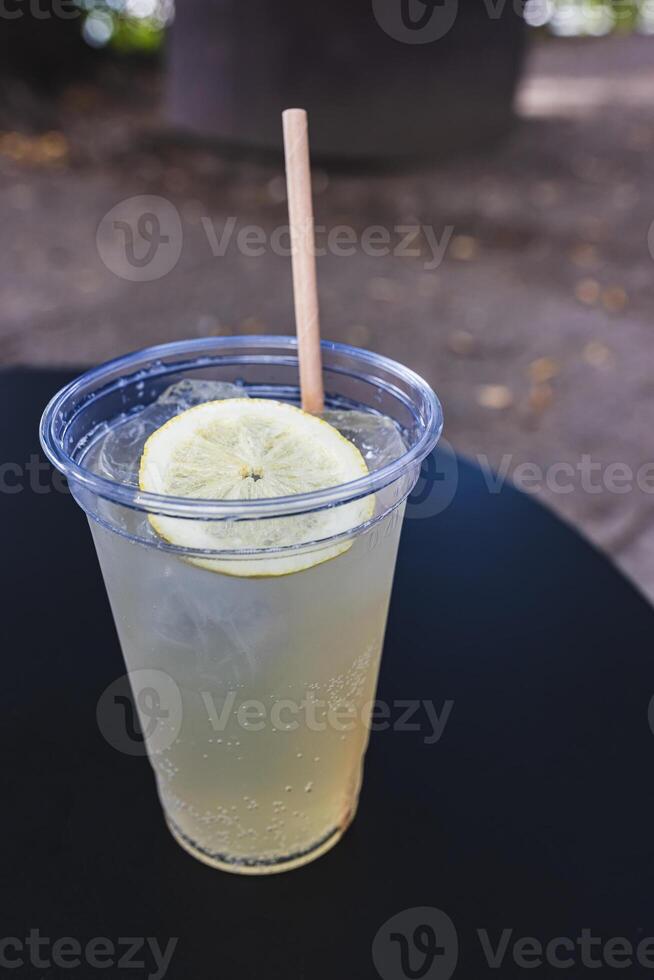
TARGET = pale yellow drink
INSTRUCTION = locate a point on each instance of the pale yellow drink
(260, 689)
(276, 678)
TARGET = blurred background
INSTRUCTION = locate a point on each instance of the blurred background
(484, 195)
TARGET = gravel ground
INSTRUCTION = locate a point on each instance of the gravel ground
(528, 304)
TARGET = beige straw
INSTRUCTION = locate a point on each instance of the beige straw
(305, 290)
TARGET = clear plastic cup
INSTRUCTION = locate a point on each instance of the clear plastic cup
(254, 693)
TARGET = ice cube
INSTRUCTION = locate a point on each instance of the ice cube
(189, 392)
(211, 639)
(120, 451)
(119, 456)
(377, 437)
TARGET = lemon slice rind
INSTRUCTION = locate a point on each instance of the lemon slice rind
(254, 449)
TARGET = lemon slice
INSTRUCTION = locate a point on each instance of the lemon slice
(251, 449)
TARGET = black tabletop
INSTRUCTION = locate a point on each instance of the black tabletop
(513, 836)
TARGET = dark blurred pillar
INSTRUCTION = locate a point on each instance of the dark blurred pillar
(380, 78)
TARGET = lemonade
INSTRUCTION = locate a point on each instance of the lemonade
(259, 637)
(276, 672)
